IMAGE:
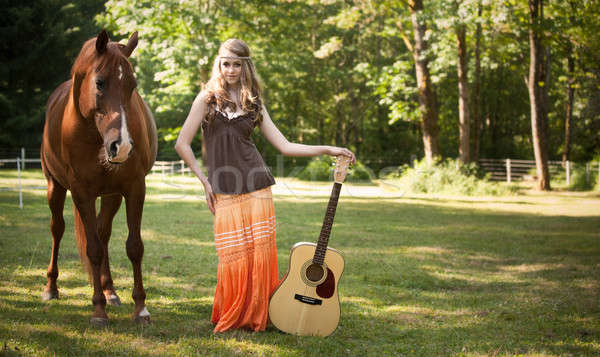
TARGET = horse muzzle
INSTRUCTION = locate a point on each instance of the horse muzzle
(117, 151)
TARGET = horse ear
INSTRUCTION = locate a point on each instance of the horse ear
(101, 42)
(133, 41)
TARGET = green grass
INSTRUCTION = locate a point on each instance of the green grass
(425, 276)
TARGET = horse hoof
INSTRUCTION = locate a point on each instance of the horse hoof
(49, 295)
(142, 320)
(114, 300)
(143, 317)
(98, 322)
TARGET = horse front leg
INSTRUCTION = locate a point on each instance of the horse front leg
(134, 201)
(87, 234)
(108, 208)
(56, 202)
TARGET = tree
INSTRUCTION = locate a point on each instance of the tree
(538, 82)
(462, 13)
(576, 23)
(463, 94)
(476, 118)
(427, 96)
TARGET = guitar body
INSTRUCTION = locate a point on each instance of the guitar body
(306, 302)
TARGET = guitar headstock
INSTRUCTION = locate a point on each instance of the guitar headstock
(341, 168)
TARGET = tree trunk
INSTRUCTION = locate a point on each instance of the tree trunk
(538, 89)
(427, 99)
(570, 91)
(569, 114)
(463, 95)
(476, 120)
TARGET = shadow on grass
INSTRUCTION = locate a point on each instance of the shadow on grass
(446, 200)
(424, 280)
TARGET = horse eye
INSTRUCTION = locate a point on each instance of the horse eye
(99, 84)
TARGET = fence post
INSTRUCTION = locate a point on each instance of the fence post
(568, 168)
(508, 174)
(23, 158)
(182, 167)
(587, 173)
(19, 180)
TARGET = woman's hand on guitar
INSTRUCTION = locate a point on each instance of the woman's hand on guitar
(336, 151)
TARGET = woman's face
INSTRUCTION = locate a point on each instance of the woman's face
(231, 68)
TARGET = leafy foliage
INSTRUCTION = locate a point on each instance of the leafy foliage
(322, 168)
(335, 72)
(318, 169)
(584, 180)
(40, 40)
(448, 177)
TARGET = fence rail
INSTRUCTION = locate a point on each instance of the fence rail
(498, 169)
(511, 170)
(170, 167)
(508, 170)
(162, 167)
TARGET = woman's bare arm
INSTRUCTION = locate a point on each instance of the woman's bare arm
(183, 145)
(279, 141)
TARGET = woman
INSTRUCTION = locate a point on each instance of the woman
(238, 184)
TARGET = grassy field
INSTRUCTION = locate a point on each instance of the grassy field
(425, 276)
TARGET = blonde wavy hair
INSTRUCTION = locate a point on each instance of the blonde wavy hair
(250, 84)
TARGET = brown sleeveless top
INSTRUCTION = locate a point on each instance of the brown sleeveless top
(233, 162)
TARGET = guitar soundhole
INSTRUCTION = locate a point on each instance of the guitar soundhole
(314, 272)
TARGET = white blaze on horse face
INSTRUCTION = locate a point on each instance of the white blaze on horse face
(120, 72)
(124, 146)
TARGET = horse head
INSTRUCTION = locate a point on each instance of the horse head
(103, 83)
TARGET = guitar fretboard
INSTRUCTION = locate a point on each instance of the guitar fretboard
(319, 256)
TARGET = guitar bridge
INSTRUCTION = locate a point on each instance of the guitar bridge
(308, 300)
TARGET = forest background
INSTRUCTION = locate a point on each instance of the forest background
(392, 80)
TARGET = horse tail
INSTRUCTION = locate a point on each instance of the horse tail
(82, 243)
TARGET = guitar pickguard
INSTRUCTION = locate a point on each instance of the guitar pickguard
(327, 288)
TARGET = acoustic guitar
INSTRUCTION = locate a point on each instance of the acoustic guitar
(306, 302)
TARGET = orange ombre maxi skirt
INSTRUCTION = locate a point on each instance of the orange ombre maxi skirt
(247, 273)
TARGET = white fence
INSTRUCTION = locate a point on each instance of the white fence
(170, 167)
(508, 170)
(511, 170)
(19, 164)
(162, 167)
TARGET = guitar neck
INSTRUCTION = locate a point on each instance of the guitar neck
(319, 256)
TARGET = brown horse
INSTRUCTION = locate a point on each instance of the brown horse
(99, 140)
